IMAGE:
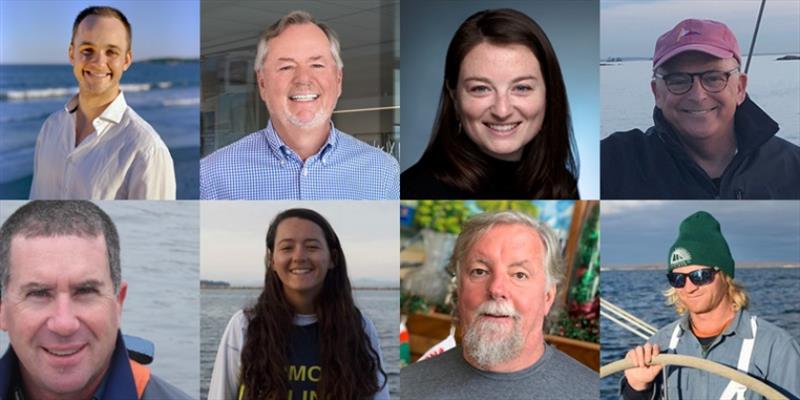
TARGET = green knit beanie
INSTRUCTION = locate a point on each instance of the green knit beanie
(700, 242)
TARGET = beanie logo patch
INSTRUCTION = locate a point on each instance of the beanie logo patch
(680, 257)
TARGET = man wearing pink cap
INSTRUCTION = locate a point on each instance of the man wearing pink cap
(709, 141)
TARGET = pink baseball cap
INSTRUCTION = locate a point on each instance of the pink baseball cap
(710, 37)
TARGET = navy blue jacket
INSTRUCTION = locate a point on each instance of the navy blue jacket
(118, 381)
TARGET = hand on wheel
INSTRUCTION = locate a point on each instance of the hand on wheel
(640, 377)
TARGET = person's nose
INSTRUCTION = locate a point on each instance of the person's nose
(696, 91)
(299, 254)
(502, 107)
(63, 321)
(302, 75)
(498, 287)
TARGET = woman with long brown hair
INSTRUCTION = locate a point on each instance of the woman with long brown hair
(503, 128)
(304, 338)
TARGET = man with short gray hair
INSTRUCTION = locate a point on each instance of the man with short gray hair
(61, 297)
(300, 154)
(507, 268)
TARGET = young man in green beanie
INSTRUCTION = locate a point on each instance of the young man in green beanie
(715, 325)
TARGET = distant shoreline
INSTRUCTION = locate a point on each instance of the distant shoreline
(742, 265)
(648, 58)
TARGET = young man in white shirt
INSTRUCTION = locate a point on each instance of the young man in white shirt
(97, 147)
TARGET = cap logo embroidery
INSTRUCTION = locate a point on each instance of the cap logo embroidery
(685, 32)
(680, 257)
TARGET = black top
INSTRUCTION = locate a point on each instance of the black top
(418, 182)
(304, 355)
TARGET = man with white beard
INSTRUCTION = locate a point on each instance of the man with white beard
(507, 268)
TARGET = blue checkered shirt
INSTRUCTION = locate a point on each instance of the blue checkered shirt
(261, 167)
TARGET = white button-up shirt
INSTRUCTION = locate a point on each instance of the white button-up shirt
(124, 158)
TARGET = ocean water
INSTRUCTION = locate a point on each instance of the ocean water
(159, 251)
(627, 102)
(382, 307)
(774, 296)
(166, 95)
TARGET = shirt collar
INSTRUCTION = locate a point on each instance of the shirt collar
(740, 324)
(283, 151)
(112, 113)
(15, 389)
(304, 319)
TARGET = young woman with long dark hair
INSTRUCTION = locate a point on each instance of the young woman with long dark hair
(304, 338)
(503, 128)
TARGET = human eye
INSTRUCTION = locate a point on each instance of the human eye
(478, 272)
(523, 88)
(87, 51)
(678, 79)
(520, 275)
(285, 248)
(285, 67)
(714, 77)
(479, 89)
(317, 65)
(86, 290)
(38, 293)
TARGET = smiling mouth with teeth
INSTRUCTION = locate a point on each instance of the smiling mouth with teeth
(703, 111)
(63, 353)
(96, 74)
(502, 127)
(304, 97)
(300, 271)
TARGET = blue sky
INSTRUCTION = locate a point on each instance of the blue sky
(637, 232)
(38, 32)
(630, 28)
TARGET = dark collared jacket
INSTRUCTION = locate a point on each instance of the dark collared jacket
(119, 383)
(654, 165)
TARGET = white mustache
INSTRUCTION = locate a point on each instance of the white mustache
(500, 308)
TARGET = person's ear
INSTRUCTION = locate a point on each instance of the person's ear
(120, 298)
(128, 60)
(658, 93)
(549, 298)
(741, 88)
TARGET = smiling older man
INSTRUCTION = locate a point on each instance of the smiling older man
(715, 325)
(61, 297)
(300, 155)
(709, 141)
(507, 268)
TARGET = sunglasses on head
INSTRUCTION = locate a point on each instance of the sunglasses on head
(700, 277)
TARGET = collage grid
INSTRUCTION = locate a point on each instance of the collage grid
(270, 218)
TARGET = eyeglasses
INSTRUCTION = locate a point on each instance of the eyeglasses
(699, 277)
(682, 82)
